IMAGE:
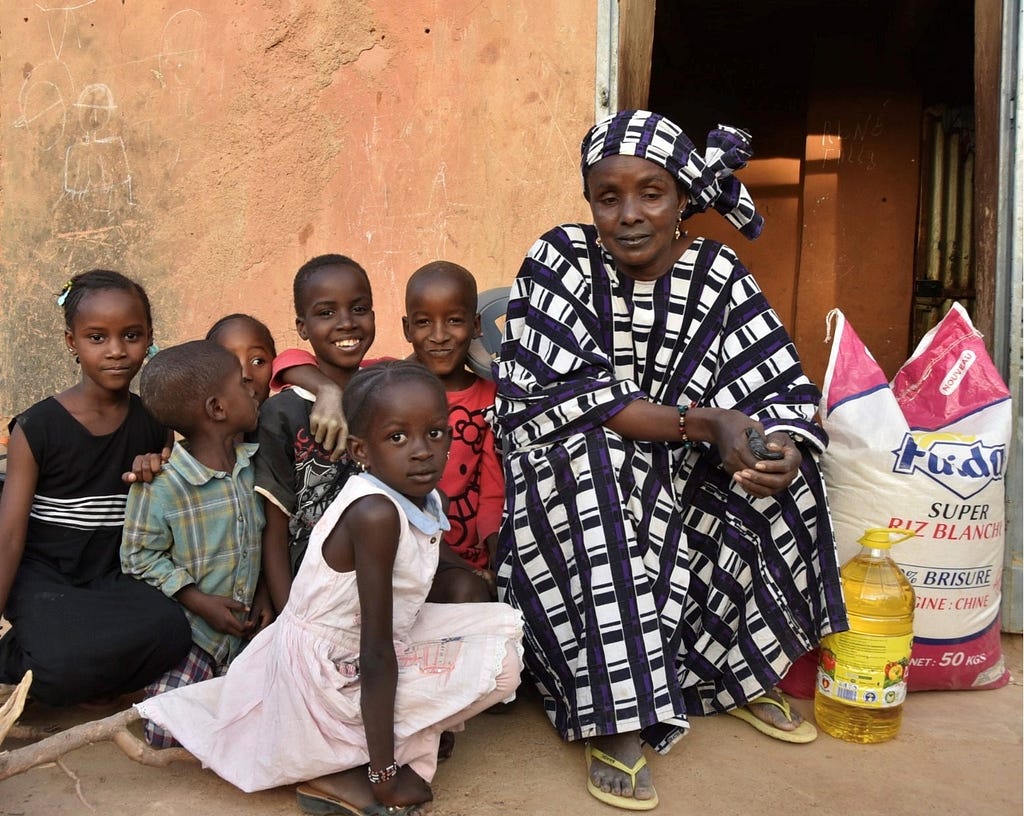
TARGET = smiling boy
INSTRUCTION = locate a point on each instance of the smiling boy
(295, 475)
(440, 322)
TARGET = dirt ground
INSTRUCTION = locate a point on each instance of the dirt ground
(957, 753)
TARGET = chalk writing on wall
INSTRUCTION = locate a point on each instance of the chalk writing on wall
(851, 143)
(104, 138)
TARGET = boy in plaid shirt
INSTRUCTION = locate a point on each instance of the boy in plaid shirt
(194, 532)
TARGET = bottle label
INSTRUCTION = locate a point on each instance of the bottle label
(869, 671)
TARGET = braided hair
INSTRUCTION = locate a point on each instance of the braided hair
(96, 280)
(368, 390)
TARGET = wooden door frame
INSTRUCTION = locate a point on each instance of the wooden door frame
(631, 73)
(988, 47)
(636, 43)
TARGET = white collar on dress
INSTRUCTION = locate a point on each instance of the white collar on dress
(428, 519)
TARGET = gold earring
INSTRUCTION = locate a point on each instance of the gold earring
(599, 240)
(71, 351)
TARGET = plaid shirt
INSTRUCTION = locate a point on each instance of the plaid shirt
(194, 525)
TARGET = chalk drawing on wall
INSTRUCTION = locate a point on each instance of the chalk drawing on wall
(60, 18)
(182, 56)
(97, 148)
(43, 102)
(96, 173)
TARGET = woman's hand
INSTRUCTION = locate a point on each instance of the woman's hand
(770, 476)
(405, 788)
(759, 477)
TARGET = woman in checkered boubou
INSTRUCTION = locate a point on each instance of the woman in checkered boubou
(666, 533)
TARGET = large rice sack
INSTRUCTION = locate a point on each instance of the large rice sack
(927, 453)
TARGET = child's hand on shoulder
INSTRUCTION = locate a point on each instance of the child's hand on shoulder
(146, 466)
(327, 421)
(226, 615)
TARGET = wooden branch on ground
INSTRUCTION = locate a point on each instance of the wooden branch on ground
(113, 729)
(25, 733)
(14, 705)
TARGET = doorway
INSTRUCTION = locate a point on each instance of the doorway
(840, 99)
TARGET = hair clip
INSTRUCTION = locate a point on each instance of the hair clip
(63, 295)
(152, 350)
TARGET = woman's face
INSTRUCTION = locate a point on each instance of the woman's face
(636, 206)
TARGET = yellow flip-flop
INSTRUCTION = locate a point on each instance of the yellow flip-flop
(624, 802)
(803, 733)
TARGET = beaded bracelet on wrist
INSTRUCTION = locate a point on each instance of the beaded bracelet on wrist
(687, 442)
(383, 775)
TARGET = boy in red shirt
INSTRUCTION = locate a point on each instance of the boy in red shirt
(441, 321)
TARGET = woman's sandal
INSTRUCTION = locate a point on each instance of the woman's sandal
(319, 803)
(802, 734)
(624, 802)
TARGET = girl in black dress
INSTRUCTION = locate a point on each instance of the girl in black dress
(86, 631)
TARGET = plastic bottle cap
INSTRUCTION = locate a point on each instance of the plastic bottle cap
(880, 538)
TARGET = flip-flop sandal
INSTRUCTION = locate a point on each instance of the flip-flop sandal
(624, 802)
(803, 733)
(319, 803)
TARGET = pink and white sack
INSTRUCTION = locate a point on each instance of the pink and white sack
(927, 452)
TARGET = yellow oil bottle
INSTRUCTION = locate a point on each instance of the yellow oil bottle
(862, 673)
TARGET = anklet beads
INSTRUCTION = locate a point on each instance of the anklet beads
(383, 775)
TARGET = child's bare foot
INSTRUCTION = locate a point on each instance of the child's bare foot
(350, 792)
(629, 777)
(349, 787)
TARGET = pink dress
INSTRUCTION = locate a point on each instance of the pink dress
(288, 710)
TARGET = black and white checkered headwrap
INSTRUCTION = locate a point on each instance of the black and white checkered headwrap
(708, 177)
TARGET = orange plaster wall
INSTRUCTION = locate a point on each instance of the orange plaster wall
(240, 139)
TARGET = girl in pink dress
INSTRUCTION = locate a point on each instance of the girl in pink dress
(353, 684)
